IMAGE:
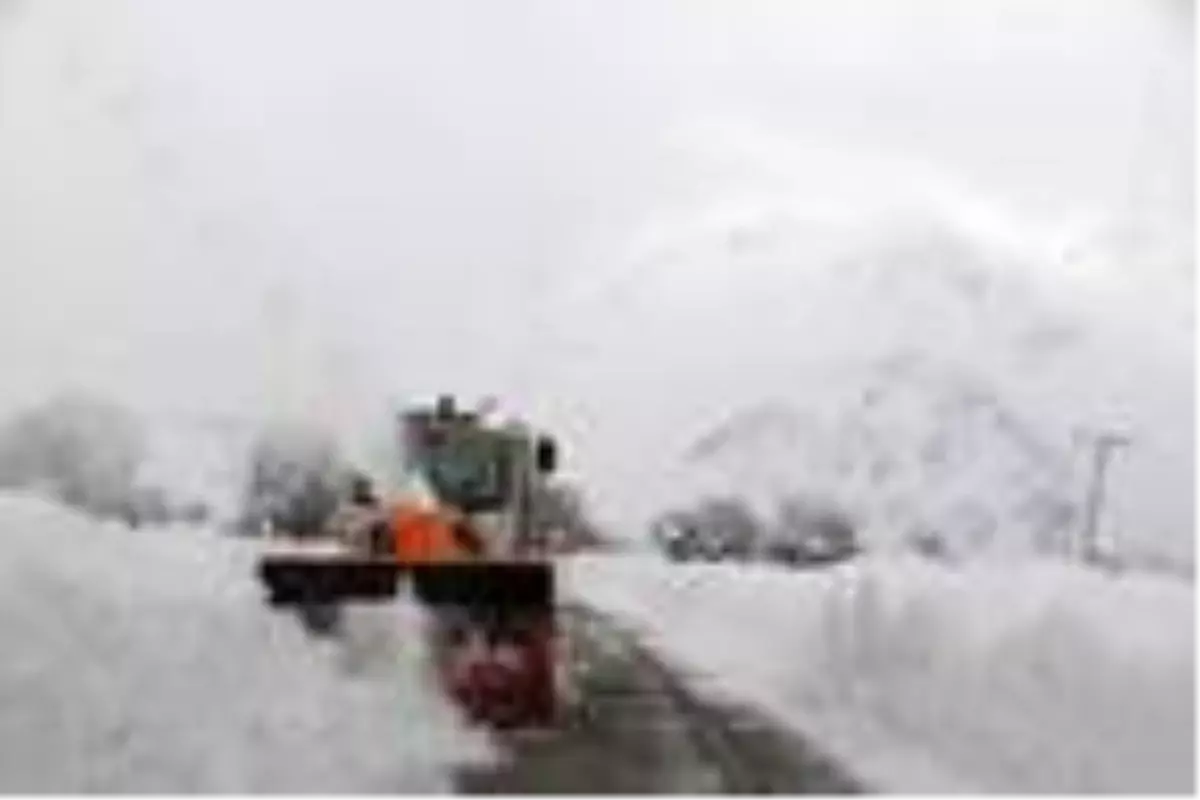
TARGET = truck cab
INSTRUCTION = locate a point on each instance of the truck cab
(487, 472)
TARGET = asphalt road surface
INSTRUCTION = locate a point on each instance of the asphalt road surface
(636, 729)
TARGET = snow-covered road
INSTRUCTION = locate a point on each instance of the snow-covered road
(145, 661)
(634, 727)
(1022, 677)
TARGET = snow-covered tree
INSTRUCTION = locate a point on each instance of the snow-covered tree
(715, 528)
(809, 530)
(295, 477)
(84, 450)
(561, 514)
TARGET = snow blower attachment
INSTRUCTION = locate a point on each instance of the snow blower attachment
(468, 550)
(297, 578)
(294, 579)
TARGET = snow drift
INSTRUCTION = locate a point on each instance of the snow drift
(1035, 677)
(144, 661)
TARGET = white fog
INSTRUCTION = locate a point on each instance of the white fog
(279, 207)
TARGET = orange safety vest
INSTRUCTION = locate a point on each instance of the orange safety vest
(421, 536)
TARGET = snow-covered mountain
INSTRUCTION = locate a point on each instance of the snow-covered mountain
(917, 448)
(926, 358)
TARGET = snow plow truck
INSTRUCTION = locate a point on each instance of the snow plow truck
(462, 538)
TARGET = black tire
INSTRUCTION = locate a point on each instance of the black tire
(321, 619)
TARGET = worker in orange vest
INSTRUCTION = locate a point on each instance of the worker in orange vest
(422, 535)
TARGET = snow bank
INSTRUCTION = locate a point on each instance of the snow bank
(144, 661)
(1032, 677)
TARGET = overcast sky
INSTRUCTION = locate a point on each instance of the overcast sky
(192, 189)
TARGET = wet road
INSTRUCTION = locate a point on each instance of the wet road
(636, 729)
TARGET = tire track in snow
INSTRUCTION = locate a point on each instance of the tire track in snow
(637, 727)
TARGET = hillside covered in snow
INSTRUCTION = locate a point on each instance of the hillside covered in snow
(923, 357)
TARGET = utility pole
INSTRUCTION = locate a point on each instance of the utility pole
(1104, 444)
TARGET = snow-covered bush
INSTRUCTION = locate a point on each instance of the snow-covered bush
(808, 531)
(715, 529)
(561, 516)
(80, 449)
(805, 531)
(295, 477)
